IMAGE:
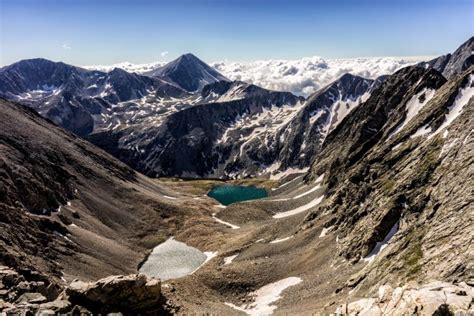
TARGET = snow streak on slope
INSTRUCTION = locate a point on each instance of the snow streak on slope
(300, 209)
(456, 109)
(413, 106)
(380, 245)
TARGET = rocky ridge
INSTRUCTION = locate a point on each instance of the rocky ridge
(451, 64)
(381, 183)
(132, 116)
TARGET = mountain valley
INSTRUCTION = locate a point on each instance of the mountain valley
(369, 182)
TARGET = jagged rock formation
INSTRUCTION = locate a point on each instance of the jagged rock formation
(199, 133)
(454, 63)
(244, 130)
(322, 112)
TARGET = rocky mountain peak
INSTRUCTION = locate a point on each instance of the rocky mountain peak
(451, 64)
(188, 72)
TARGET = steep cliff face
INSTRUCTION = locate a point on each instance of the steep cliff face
(399, 179)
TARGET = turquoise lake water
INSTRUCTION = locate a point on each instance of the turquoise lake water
(228, 194)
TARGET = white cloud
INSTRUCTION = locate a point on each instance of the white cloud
(138, 68)
(307, 75)
(66, 46)
(163, 54)
(300, 76)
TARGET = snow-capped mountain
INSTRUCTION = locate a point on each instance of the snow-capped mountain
(74, 97)
(187, 109)
(241, 130)
(188, 72)
(207, 134)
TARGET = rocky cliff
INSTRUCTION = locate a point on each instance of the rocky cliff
(399, 176)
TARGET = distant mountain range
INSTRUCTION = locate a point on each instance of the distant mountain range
(227, 129)
(300, 76)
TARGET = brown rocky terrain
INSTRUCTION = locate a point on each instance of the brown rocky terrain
(70, 210)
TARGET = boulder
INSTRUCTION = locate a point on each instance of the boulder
(31, 298)
(58, 306)
(10, 277)
(134, 292)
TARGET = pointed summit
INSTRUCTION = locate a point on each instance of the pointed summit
(188, 72)
(454, 63)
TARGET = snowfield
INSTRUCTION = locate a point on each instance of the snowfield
(456, 109)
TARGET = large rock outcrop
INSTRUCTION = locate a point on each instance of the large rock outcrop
(435, 298)
(131, 293)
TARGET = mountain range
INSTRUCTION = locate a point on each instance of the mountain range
(369, 180)
(134, 116)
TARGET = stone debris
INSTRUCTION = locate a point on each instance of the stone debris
(436, 298)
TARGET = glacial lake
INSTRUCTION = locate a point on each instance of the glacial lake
(172, 259)
(228, 194)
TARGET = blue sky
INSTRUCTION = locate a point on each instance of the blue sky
(85, 32)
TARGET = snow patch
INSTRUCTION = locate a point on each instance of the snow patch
(209, 255)
(266, 296)
(286, 183)
(424, 130)
(380, 245)
(229, 259)
(316, 187)
(287, 172)
(413, 107)
(325, 231)
(169, 197)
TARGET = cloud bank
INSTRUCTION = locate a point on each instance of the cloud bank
(307, 75)
(301, 76)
